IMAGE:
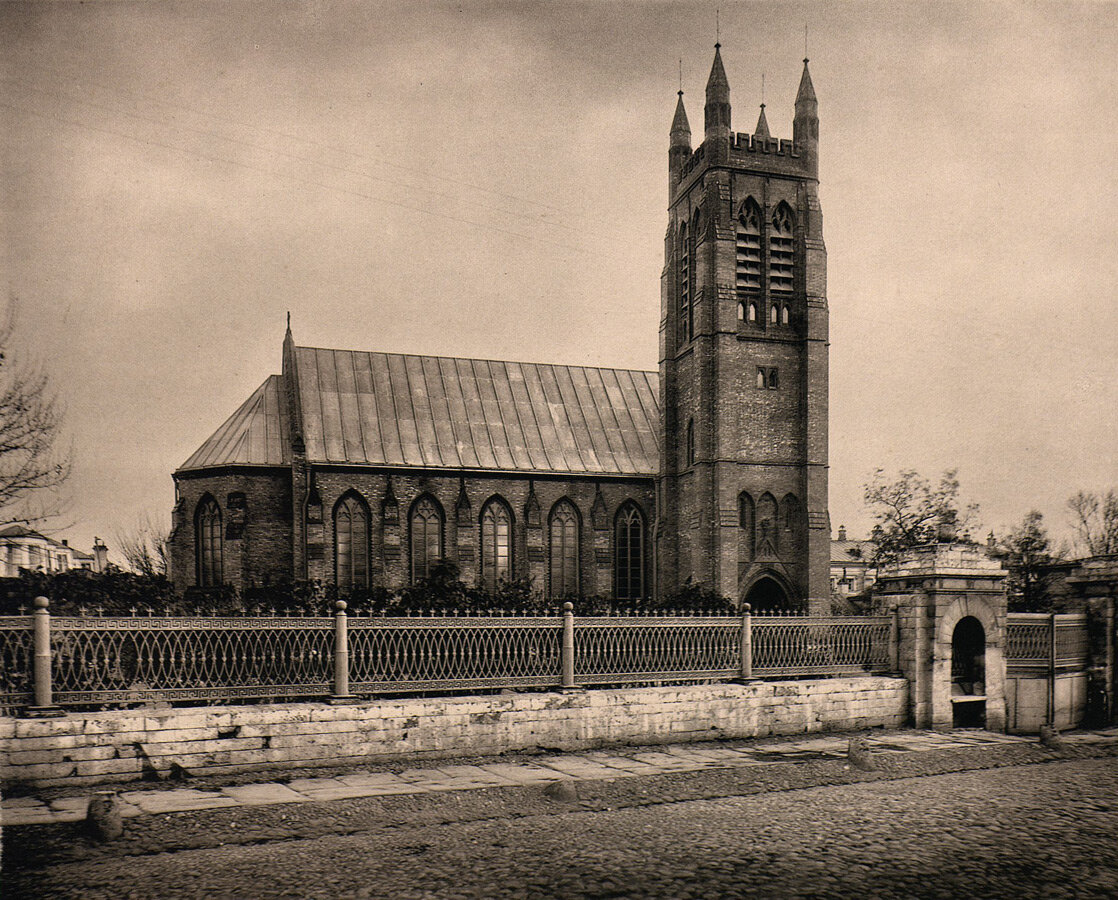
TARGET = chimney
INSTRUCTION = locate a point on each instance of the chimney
(100, 556)
(842, 533)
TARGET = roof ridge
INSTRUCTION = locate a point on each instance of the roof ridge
(486, 359)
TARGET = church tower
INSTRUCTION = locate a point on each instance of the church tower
(742, 489)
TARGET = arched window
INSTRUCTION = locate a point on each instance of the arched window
(747, 516)
(690, 449)
(784, 316)
(207, 539)
(789, 512)
(628, 553)
(686, 244)
(774, 314)
(752, 312)
(749, 247)
(766, 523)
(351, 542)
(761, 377)
(741, 312)
(426, 537)
(496, 544)
(781, 249)
(563, 529)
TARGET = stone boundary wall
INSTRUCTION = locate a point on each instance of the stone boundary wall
(1027, 701)
(127, 745)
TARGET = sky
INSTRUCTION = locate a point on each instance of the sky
(490, 180)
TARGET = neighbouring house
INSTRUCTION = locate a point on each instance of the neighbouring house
(24, 548)
(852, 573)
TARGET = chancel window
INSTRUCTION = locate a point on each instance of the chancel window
(781, 253)
(426, 538)
(564, 550)
(351, 543)
(629, 553)
(208, 543)
(496, 544)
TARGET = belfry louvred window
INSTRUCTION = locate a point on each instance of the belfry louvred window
(687, 238)
(748, 264)
(781, 250)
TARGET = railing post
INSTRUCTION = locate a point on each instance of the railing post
(895, 640)
(44, 694)
(568, 653)
(1052, 670)
(341, 656)
(746, 643)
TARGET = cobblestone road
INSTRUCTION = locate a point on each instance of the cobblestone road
(1023, 831)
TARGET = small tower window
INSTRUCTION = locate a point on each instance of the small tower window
(768, 377)
(784, 317)
(774, 314)
(761, 378)
(741, 312)
(691, 443)
(749, 247)
(781, 250)
(752, 312)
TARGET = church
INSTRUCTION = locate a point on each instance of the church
(366, 468)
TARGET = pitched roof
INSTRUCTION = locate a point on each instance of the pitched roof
(438, 412)
(257, 434)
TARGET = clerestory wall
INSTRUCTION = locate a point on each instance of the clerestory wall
(127, 745)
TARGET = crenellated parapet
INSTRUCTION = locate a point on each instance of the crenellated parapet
(752, 143)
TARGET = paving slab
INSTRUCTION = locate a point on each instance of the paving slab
(263, 794)
(528, 773)
(578, 768)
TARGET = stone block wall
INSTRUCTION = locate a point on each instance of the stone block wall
(123, 745)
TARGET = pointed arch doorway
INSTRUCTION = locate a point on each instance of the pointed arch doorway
(766, 594)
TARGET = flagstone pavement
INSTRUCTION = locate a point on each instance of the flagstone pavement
(586, 765)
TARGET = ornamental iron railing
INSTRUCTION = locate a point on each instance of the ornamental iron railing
(810, 645)
(74, 661)
(1037, 642)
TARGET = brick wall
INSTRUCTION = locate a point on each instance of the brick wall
(119, 745)
(256, 535)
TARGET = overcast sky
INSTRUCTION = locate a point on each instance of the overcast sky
(491, 180)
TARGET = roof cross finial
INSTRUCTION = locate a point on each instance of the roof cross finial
(805, 42)
(762, 90)
(681, 76)
(717, 28)
(289, 320)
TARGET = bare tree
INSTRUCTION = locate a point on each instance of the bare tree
(144, 547)
(32, 464)
(910, 511)
(1094, 519)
